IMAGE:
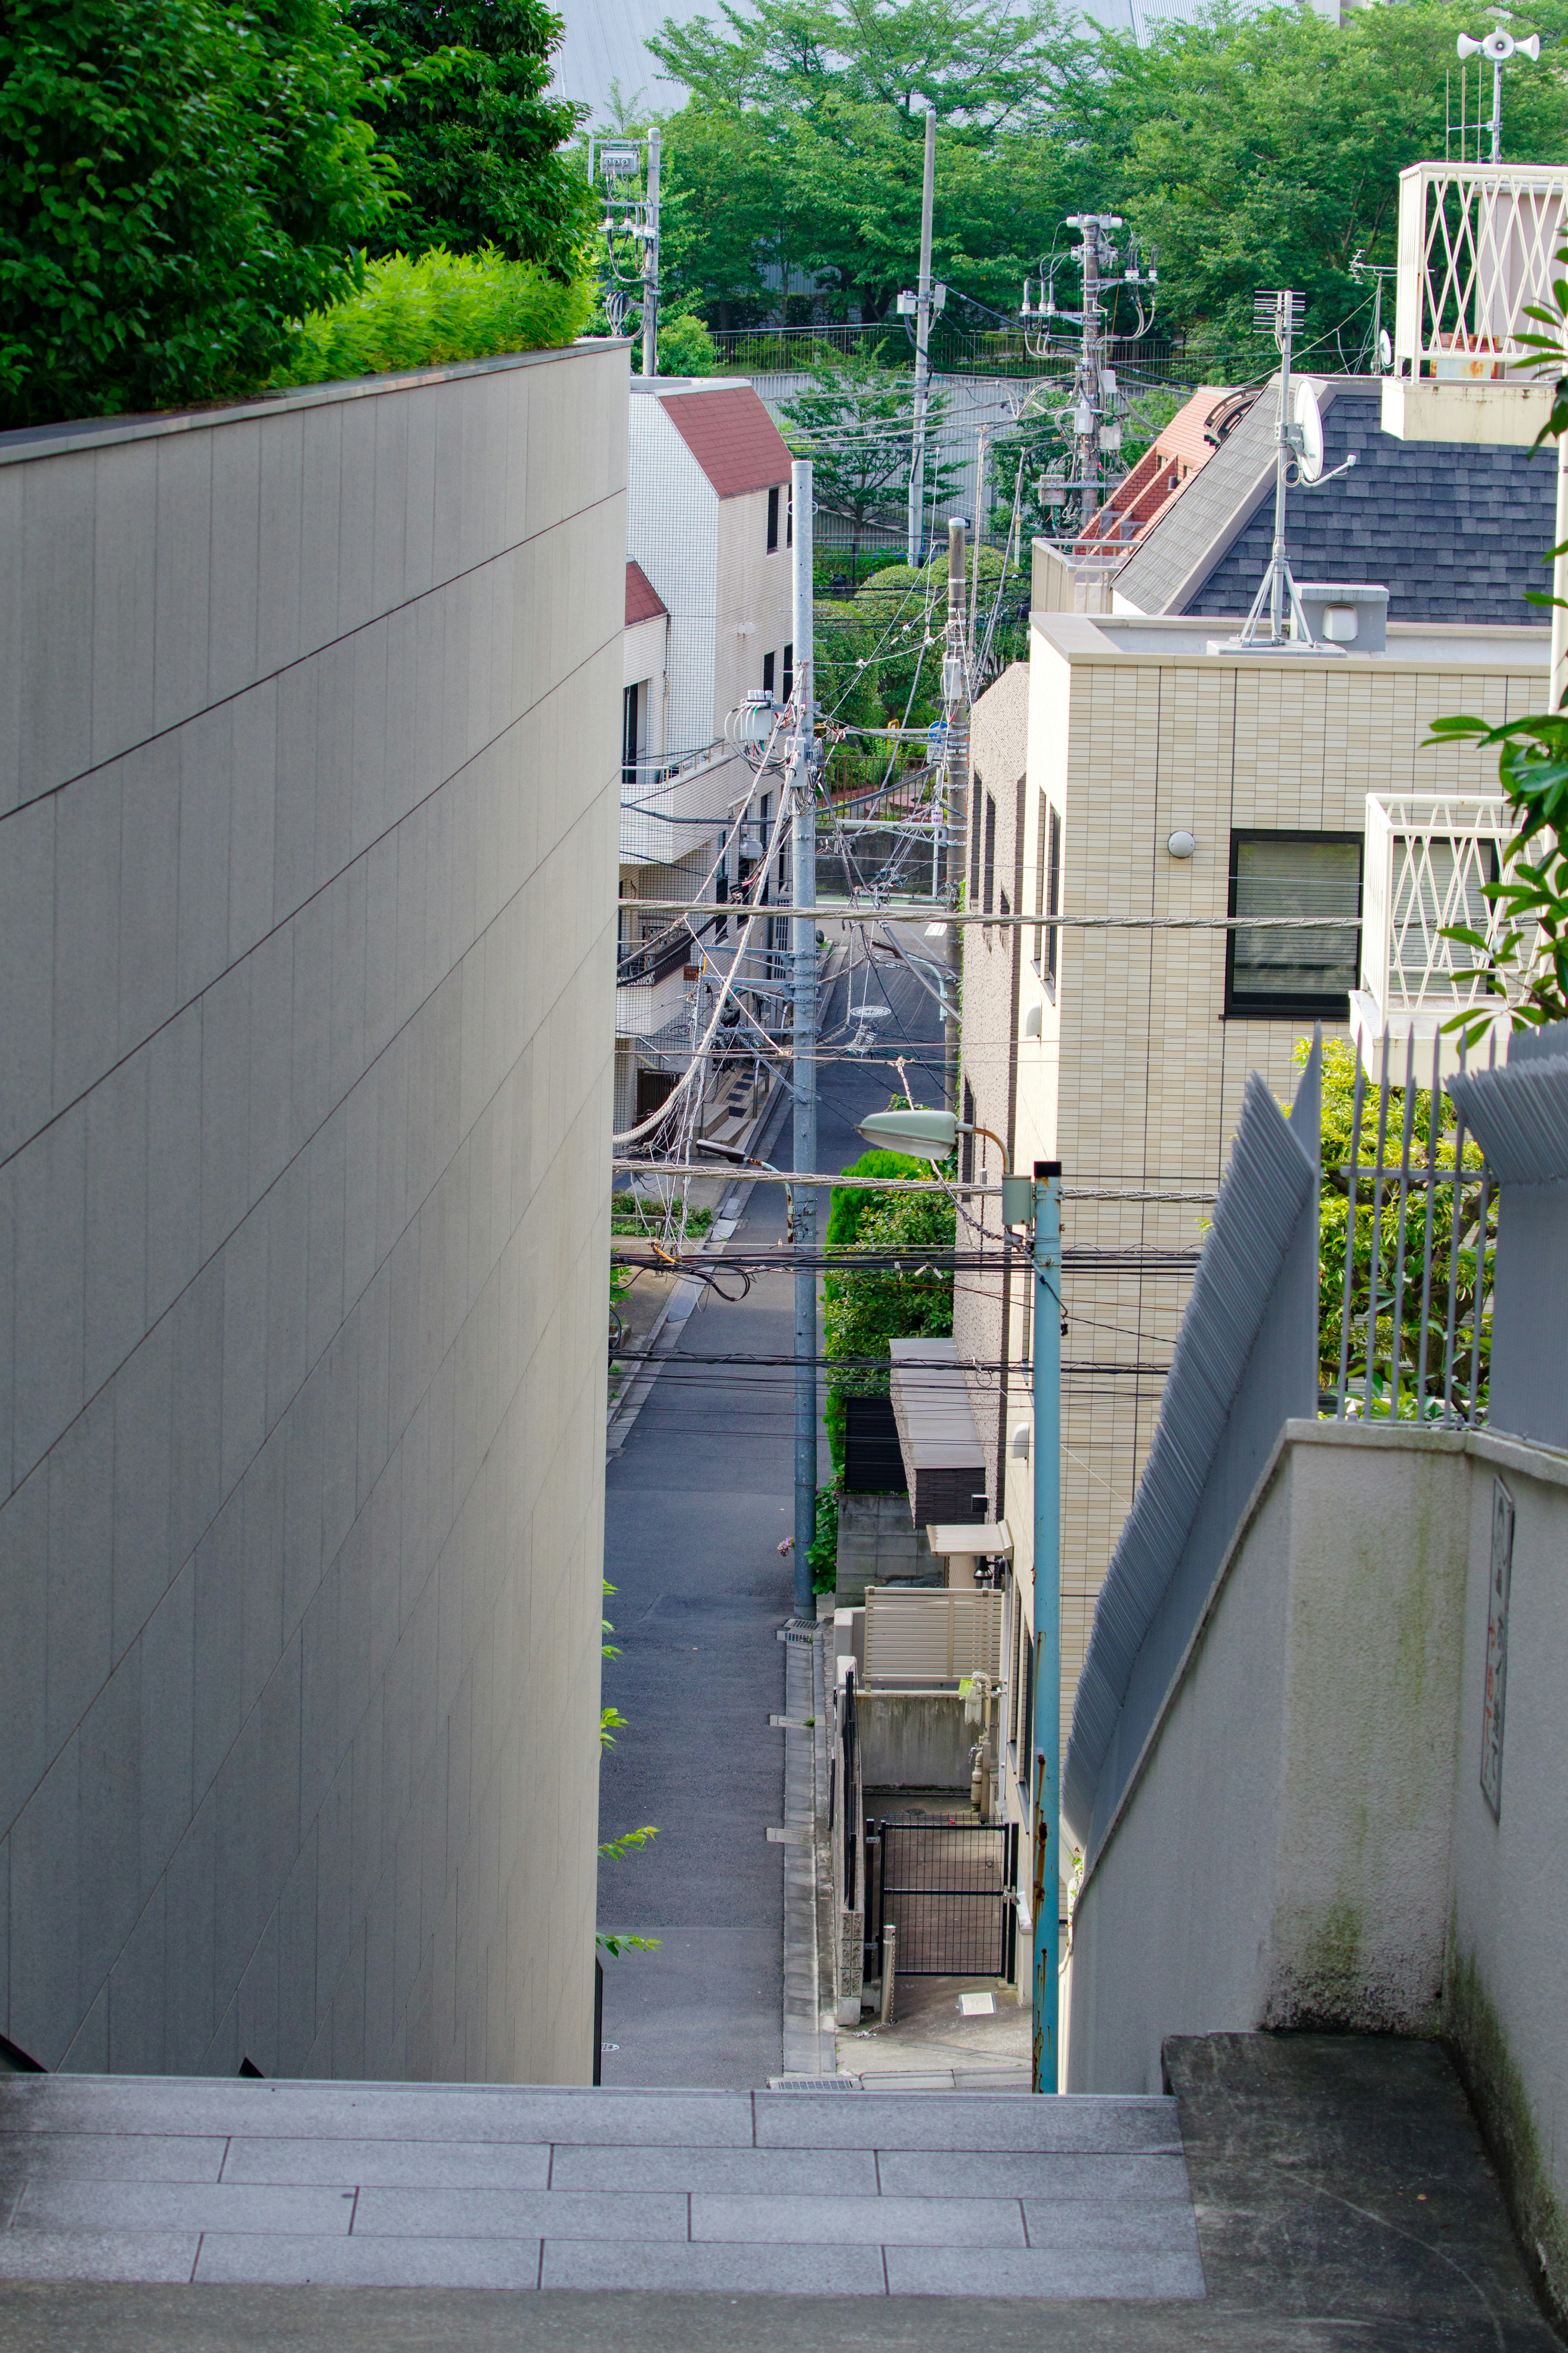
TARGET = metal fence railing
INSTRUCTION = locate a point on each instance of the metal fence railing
(1410, 1215)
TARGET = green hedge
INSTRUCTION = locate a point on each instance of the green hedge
(435, 310)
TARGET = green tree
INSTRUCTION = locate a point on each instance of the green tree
(862, 1311)
(180, 181)
(1264, 149)
(855, 422)
(477, 139)
(806, 122)
(1398, 1322)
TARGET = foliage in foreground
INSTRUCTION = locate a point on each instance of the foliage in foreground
(180, 181)
(1530, 951)
(616, 1941)
(433, 310)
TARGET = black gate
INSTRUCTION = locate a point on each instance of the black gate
(951, 1891)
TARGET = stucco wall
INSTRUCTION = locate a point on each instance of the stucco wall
(1505, 1994)
(1308, 1842)
(1282, 1857)
(309, 737)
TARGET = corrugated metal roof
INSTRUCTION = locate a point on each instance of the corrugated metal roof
(731, 436)
(643, 602)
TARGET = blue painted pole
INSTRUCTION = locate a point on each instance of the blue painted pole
(1046, 1729)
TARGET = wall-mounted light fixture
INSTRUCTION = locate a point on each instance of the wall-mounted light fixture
(1181, 844)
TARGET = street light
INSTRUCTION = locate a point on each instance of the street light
(1034, 1203)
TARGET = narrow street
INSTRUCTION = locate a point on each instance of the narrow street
(697, 1504)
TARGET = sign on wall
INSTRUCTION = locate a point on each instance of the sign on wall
(1497, 1648)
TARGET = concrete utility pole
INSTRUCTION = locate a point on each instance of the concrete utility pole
(1046, 1730)
(650, 264)
(916, 534)
(1087, 416)
(955, 782)
(803, 805)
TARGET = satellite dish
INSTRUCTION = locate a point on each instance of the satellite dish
(1385, 351)
(1309, 433)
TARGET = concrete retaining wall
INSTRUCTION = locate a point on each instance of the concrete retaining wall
(1307, 1842)
(913, 1740)
(308, 743)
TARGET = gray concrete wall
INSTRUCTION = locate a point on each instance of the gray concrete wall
(1506, 1987)
(308, 746)
(913, 1740)
(1281, 1858)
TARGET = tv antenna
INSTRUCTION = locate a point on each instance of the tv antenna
(1299, 448)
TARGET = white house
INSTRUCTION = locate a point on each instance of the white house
(708, 623)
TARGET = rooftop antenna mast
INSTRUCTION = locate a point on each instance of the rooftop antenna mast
(1299, 445)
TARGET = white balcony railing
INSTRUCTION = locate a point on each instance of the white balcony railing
(1428, 857)
(1478, 243)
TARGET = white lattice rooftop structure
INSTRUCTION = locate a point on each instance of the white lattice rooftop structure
(1477, 247)
(1429, 857)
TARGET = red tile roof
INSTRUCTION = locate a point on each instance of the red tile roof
(731, 436)
(643, 602)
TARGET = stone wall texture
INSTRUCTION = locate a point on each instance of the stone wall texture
(309, 733)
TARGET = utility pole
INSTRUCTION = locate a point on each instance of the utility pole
(955, 783)
(1046, 1730)
(803, 791)
(1087, 415)
(923, 306)
(650, 263)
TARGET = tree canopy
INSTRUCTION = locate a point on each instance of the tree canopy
(180, 182)
(1254, 146)
(464, 116)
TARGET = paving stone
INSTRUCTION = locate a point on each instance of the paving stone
(735, 2271)
(513, 2214)
(378, 2111)
(768, 2172)
(915, 2173)
(1041, 2272)
(1093, 2224)
(236, 2260)
(389, 2164)
(98, 2254)
(111, 2157)
(180, 2206)
(1072, 2123)
(872, 2221)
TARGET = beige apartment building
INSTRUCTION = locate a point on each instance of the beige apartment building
(1138, 767)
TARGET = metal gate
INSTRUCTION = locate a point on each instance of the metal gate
(951, 1891)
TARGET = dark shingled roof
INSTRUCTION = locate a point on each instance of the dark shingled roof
(731, 436)
(643, 602)
(1455, 530)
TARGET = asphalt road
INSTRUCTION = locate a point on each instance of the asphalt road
(697, 1502)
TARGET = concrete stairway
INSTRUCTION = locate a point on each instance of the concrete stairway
(388, 2186)
(1299, 2194)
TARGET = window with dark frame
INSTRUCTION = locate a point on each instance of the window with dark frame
(788, 671)
(772, 522)
(966, 1144)
(976, 824)
(988, 899)
(630, 745)
(1047, 891)
(1271, 975)
(769, 665)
